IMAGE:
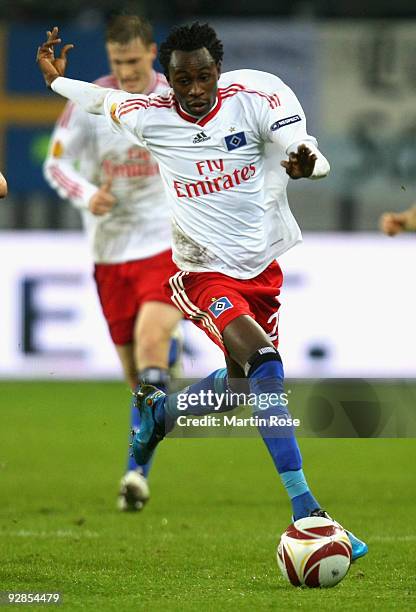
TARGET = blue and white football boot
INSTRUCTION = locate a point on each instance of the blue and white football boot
(359, 548)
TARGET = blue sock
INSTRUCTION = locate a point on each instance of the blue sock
(265, 379)
(173, 351)
(158, 377)
(303, 502)
(215, 383)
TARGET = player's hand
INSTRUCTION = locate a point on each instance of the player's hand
(3, 186)
(393, 223)
(50, 66)
(300, 164)
(102, 201)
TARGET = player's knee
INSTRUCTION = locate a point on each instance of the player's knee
(152, 335)
(149, 343)
(260, 357)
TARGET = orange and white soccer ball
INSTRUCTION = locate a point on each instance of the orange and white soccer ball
(314, 552)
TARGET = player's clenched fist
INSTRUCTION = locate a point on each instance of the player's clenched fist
(50, 66)
(102, 201)
(394, 223)
(3, 186)
(301, 163)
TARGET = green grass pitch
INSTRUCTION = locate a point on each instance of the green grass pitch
(207, 538)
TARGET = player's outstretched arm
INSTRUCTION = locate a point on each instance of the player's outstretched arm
(3, 186)
(394, 223)
(90, 97)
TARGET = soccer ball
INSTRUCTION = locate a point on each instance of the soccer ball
(315, 552)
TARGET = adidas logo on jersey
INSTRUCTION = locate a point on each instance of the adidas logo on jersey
(201, 137)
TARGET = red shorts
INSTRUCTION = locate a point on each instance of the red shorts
(124, 287)
(212, 300)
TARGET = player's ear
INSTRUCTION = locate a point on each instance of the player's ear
(219, 66)
(153, 50)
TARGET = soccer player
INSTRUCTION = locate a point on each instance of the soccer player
(117, 187)
(392, 223)
(3, 186)
(210, 143)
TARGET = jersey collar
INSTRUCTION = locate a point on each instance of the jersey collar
(152, 85)
(199, 120)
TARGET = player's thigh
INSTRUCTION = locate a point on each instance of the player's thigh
(155, 322)
(119, 303)
(125, 353)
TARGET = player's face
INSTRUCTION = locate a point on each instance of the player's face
(132, 64)
(194, 76)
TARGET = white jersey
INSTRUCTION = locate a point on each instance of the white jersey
(214, 167)
(84, 153)
(281, 227)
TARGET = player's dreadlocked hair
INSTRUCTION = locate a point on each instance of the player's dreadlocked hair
(190, 38)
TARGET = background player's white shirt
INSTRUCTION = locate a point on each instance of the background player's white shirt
(84, 152)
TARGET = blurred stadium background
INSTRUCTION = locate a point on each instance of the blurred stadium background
(347, 289)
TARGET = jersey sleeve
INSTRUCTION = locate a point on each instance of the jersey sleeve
(126, 114)
(71, 135)
(89, 96)
(283, 122)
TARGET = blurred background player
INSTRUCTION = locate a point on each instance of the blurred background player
(392, 223)
(3, 186)
(228, 281)
(117, 188)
